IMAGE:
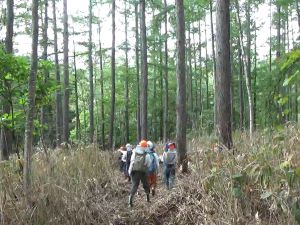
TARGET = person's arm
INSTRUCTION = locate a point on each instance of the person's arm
(131, 163)
(148, 160)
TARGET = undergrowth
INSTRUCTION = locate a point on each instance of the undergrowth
(259, 184)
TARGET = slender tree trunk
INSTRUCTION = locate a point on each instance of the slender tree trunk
(241, 85)
(278, 48)
(223, 72)
(102, 90)
(190, 81)
(144, 70)
(200, 76)
(66, 105)
(206, 67)
(78, 132)
(298, 13)
(91, 75)
(58, 101)
(181, 87)
(126, 79)
(255, 79)
(31, 99)
(6, 135)
(113, 77)
(45, 109)
(247, 61)
(166, 82)
(161, 86)
(270, 31)
(213, 55)
(137, 63)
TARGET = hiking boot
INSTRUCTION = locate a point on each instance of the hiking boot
(153, 192)
(130, 201)
(148, 198)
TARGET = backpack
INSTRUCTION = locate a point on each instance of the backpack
(169, 159)
(128, 157)
(139, 163)
(153, 165)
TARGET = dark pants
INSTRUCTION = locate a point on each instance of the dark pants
(169, 173)
(136, 177)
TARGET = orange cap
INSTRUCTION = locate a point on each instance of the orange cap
(143, 144)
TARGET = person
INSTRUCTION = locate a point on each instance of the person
(139, 163)
(153, 169)
(121, 158)
(127, 160)
(170, 160)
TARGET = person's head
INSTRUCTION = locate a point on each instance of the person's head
(172, 146)
(128, 146)
(143, 144)
(150, 145)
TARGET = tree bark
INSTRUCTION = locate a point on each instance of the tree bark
(45, 109)
(6, 135)
(223, 72)
(78, 132)
(144, 70)
(58, 101)
(166, 82)
(278, 48)
(113, 77)
(31, 99)
(213, 55)
(102, 90)
(66, 106)
(181, 117)
(126, 79)
(91, 75)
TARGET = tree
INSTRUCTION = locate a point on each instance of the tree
(66, 105)
(31, 98)
(45, 110)
(181, 87)
(113, 76)
(6, 135)
(144, 72)
(126, 77)
(137, 64)
(223, 83)
(166, 86)
(91, 105)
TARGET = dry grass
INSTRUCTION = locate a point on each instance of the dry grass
(258, 185)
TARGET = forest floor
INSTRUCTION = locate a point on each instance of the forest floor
(259, 184)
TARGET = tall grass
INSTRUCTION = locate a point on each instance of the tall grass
(259, 184)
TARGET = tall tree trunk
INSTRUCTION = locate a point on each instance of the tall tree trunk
(102, 89)
(213, 55)
(248, 68)
(58, 101)
(200, 75)
(45, 109)
(113, 77)
(161, 86)
(126, 79)
(270, 33)
(278, 46)
(66, 105)
(247, 61)
(181, 117)
(223, 72)
(144, 70)
(241, 85)
(190, 81)
(298, 13)
(206, 67)
(6, 135)
(137, 64)
(166, 82)
(91, 75)
(255, 78)
(31, 98)
(78, 132)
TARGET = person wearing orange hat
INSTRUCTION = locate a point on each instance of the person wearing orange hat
(170, 160)
(139, 163)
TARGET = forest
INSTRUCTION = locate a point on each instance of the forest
(79, 79)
